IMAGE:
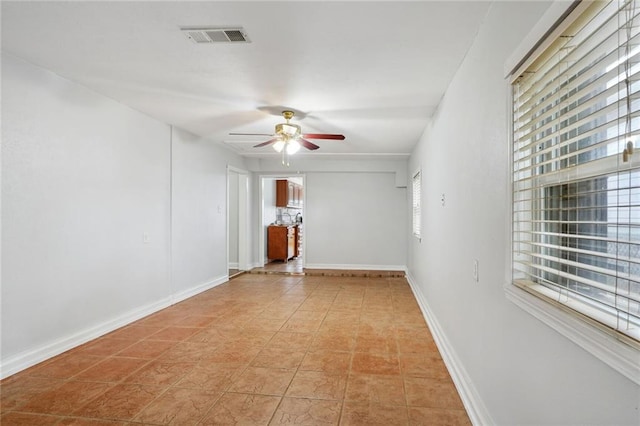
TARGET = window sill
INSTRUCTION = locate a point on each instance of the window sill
(619, 355)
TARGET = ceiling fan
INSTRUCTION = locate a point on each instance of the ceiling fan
(290, 136)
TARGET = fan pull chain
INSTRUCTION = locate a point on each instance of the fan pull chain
(285, 157)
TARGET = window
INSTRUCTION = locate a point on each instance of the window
(576, 177)
(416, 204)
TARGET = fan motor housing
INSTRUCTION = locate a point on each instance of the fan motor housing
(288, 130)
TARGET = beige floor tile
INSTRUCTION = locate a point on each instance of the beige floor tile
(432, 393)
(334, 341)
(264, 381)
(290, 340)
(28, 419)
(65, 399)
(146, 349)
(416, 341)
(302, 325)
(344, 348)
(178, 407)
(188, 352)
(301, 314)
(249, 337)
(16, 391)
(214, 377)
(376, 389)
(426, 364)
(342, 317)
(65, 366)
(174, 333)
(232, 354)
(309, 412)
(242, 409)
(159, 372)
(376, 342)
(121, 402)
(200, 321)
(266, 324)
(105, 347)
(365, 414)
(112, 369)
(135, 331)
(278, 358)
(213, 335)
(79, 421)
(327, 361)
(419, 416)
(275, 313)
(366, 363)
(317, 385)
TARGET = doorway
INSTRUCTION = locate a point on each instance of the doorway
(237, 221)
(273, 214)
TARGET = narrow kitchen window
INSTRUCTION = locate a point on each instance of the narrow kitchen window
(417, 214)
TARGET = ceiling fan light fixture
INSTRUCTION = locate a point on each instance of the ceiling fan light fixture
(287, 129)
(288, 138)
(293, 146)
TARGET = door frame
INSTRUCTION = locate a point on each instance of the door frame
(243, 218)
(261, 234)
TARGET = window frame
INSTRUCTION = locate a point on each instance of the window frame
(416, 217)
(611, 347)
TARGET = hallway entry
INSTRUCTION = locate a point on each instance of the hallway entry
(283, 208)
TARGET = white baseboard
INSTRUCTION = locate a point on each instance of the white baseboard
(477, 411)
(185, 294)
(29, 358)
(355, 267)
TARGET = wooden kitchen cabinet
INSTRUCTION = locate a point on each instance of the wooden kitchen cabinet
(288, 194)
(282, 193)
(281, 242)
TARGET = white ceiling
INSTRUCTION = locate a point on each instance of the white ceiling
(373, 71)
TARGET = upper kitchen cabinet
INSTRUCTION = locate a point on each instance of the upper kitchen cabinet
(288, 194)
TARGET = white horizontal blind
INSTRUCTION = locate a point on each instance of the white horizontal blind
(416, 204)
(576, 203)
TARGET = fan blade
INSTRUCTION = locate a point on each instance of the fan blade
(323, 136)
(269, 142)
(307, 144)
(251, 134)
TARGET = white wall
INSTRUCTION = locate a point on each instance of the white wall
(199, 197)
(84, 180)
(520, 370)
(355, 220)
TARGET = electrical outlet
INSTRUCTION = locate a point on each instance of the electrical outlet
(145, 237)
(475, 270)
(442, 199)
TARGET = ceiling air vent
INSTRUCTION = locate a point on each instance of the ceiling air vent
(216, 35)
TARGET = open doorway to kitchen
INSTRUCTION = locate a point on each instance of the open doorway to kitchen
(237, 221)
(282, 240)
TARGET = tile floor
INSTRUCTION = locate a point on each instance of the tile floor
(293, 266)
(258, 350)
